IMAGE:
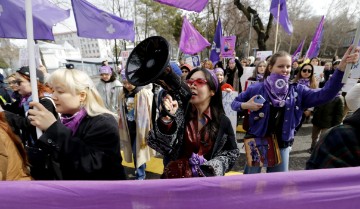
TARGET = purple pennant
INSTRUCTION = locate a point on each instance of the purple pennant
(216, 45)
(45, 16)
(191, 41)
(297, 53)
(283, 15)
(92, 22)
(314, 47)
(190, 5)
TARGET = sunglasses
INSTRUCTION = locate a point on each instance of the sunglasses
(198, 82)
(306, 70)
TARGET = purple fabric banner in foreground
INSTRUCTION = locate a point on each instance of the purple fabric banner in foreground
(191, 41)
(92, 22)
(190, 5)
(283, 15)
(316, 189)
(45, 16)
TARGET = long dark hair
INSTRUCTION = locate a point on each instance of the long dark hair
(216, 106)
(312, 79)
(14, 138)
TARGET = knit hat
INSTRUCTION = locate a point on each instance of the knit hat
(187, 66)
(215, 79)
(105, 70)
(175, 68)
(218, 70)
(69, 66)
(26, 71)
(122, 75)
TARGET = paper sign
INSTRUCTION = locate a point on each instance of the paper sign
(228, 46)
(125, 55)
(263, 54)
(317, 71)
(349, 84)
(195, 61)
(227, 99)
(248, 72)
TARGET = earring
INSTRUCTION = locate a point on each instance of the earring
(82, 105)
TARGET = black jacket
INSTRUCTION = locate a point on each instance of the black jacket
(93, 153)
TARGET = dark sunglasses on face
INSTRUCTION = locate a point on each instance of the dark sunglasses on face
(198, 82)
(306, 70)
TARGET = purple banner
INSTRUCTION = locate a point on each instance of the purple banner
(316, 189)
(216, 45)
(92, 22)
(189, 5)
(228, 46)
(45, 16)
(314, 47)
(283, 15)
(298, 51)
(191, 41)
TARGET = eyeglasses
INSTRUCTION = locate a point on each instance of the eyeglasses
(198, 82)
(18, 82)
(306, 70)
(12, 82)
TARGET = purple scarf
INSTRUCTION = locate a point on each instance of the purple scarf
(74, 121)
(304, 81)
(195, 161)
(259, 77)
(277, 87)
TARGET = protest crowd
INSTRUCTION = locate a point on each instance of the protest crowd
(90, 129)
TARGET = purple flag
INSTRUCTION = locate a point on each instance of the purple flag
(216, 44)
(45, 16)
(191, 41)
(190, 5)
(92, 22)
(314, 47)
(298, 51)
(283, 15)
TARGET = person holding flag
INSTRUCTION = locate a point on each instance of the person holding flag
(282, 105)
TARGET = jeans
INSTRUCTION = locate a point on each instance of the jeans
(282, 167)
(140, 173)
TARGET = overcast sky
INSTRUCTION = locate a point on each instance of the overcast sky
(69, 24)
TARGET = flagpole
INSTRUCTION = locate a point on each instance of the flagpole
(277, 26)
(249, 40)
(31, 50)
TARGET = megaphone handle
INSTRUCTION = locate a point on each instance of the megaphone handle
(164, 112)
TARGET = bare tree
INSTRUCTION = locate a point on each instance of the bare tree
(261, 30)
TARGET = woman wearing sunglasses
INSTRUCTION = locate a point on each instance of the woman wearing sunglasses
(305, 76)
(199, 141)
(17, 118)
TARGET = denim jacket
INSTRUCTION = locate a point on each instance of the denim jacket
(298, 99)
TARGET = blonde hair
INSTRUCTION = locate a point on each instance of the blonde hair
(75, 82)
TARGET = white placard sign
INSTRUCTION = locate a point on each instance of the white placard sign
(263, 54)
(227, 99)
(355, 70)
(248, 72)
(24, 57)
(349, 84)
(125, 55)
(317, 71)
